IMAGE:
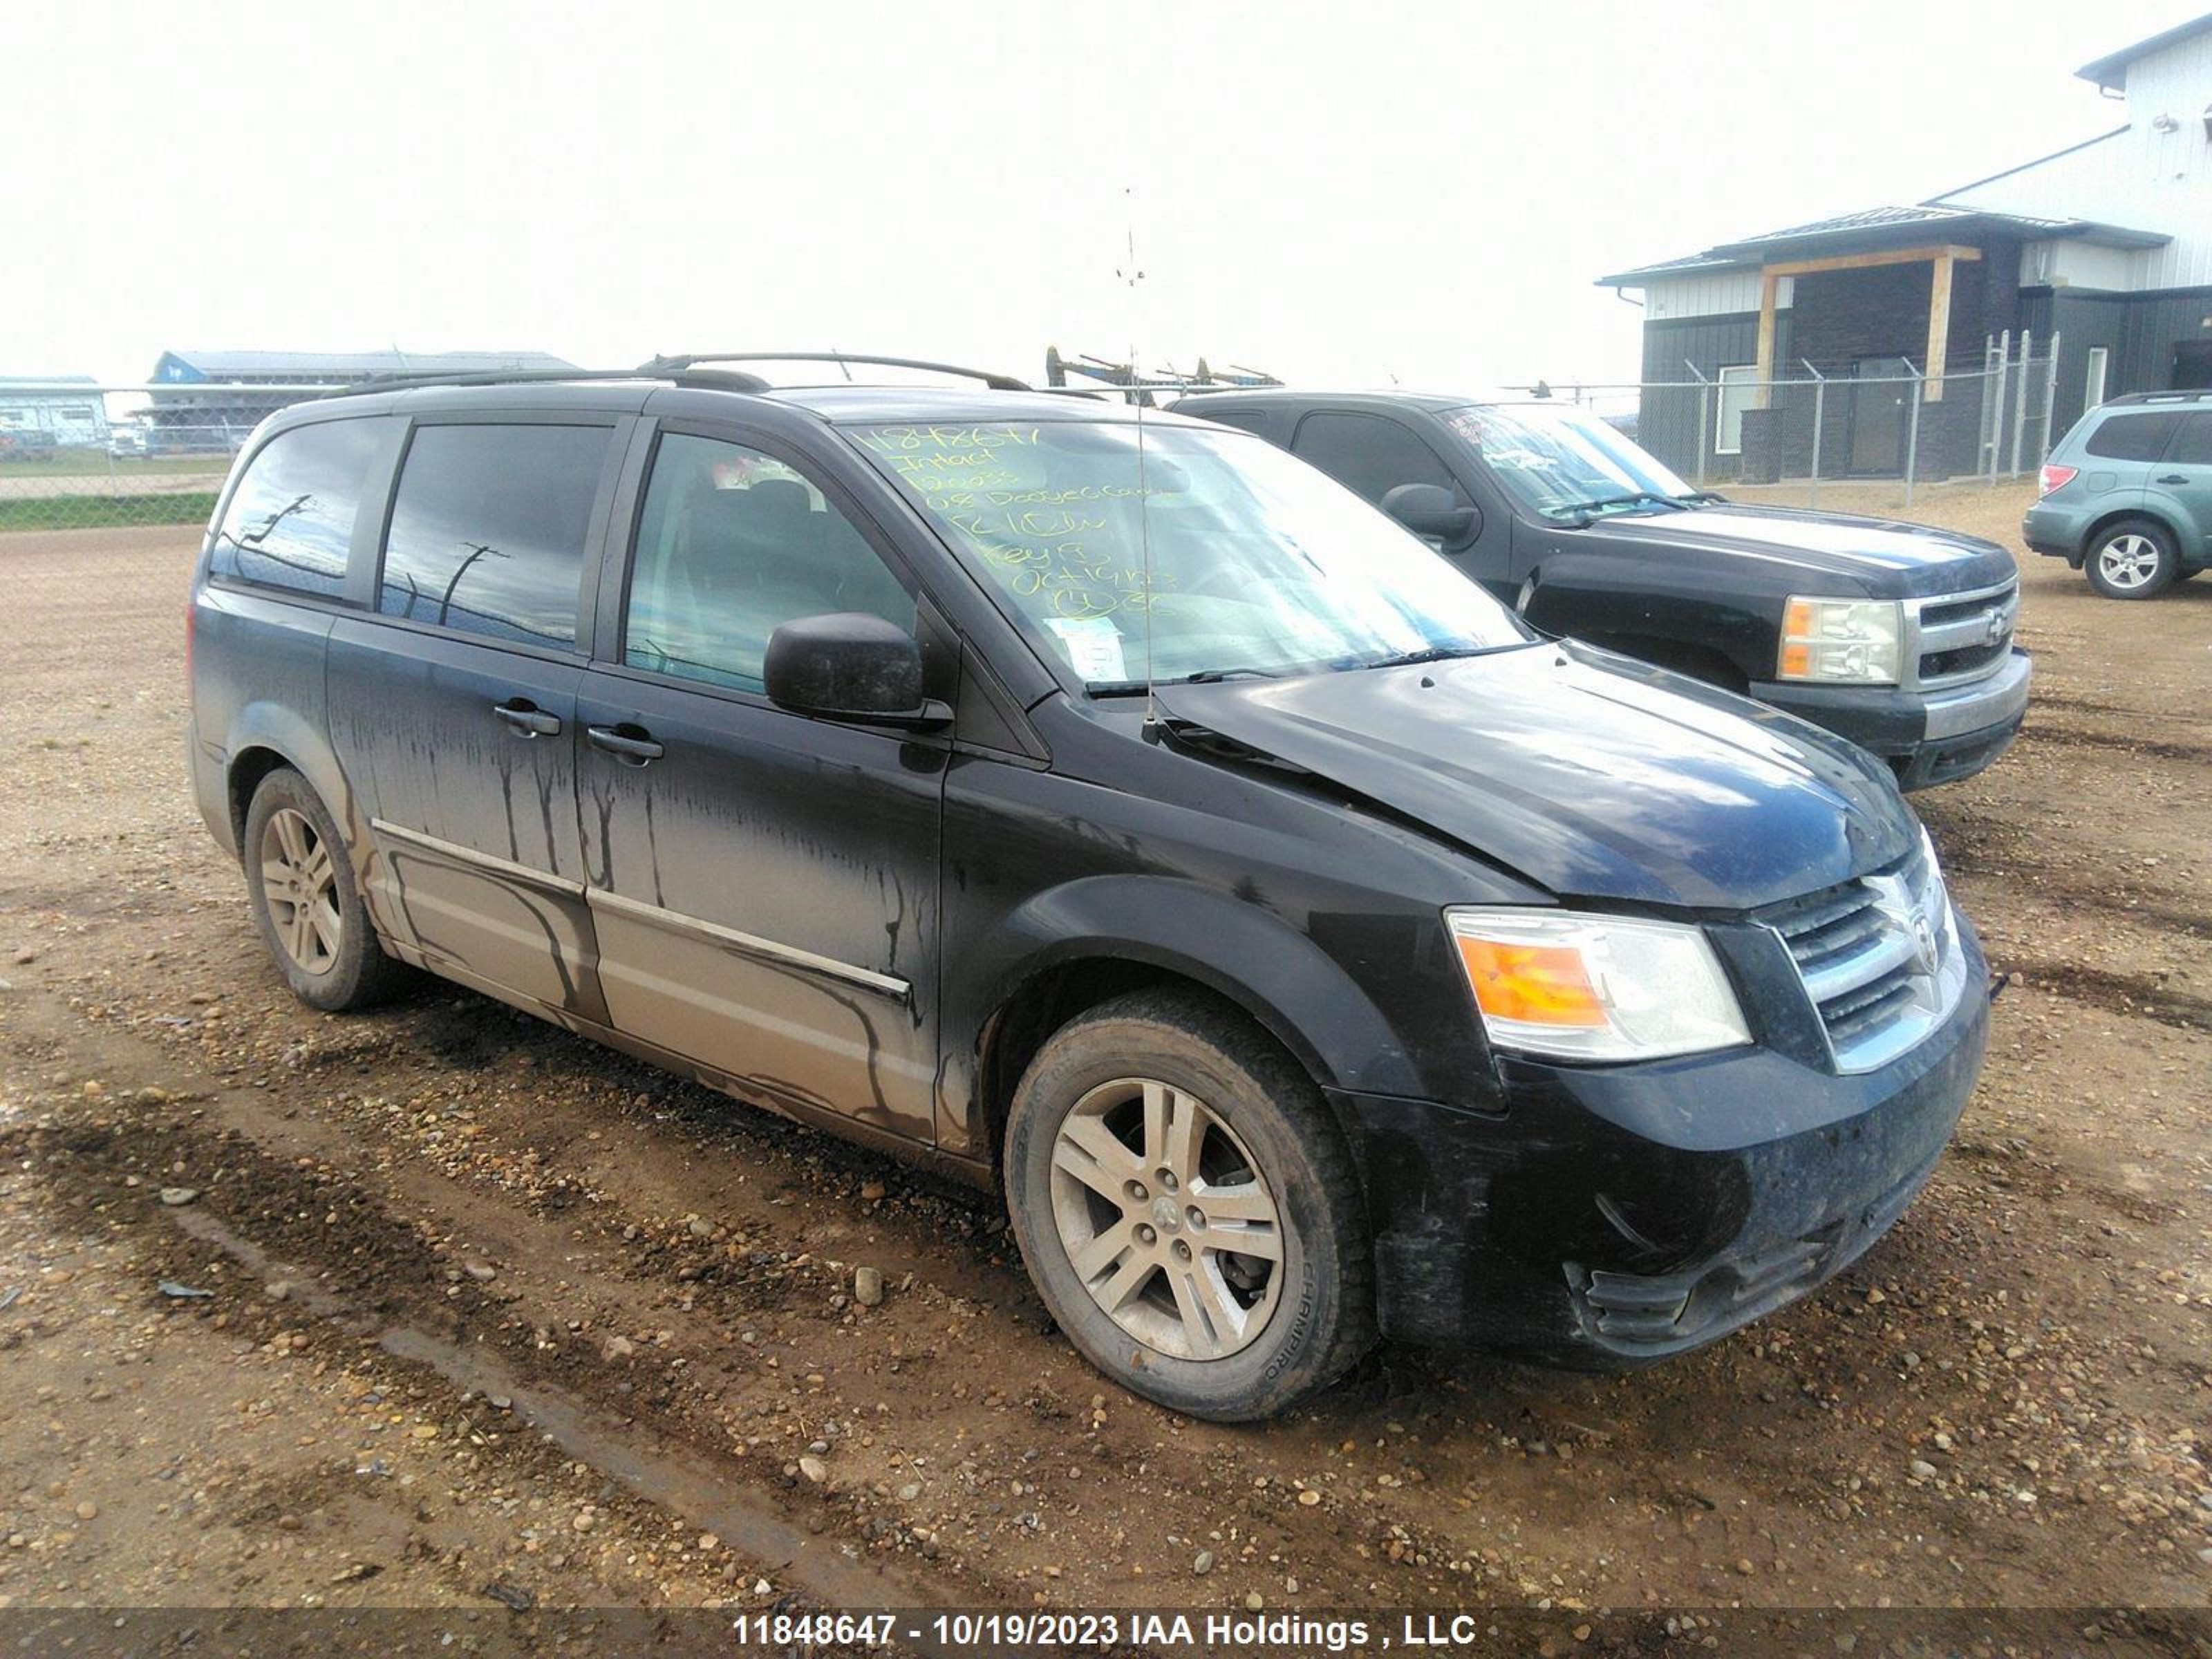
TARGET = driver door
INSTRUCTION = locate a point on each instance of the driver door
(763, 884)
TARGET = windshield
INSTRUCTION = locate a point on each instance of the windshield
(1565, 461)
(1258, 565)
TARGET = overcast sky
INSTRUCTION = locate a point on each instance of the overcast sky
(1346, 194)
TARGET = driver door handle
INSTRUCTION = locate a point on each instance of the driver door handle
(633, 748)
(526, 717)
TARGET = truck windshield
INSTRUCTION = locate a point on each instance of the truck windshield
(1566, 463)
(1213, 552)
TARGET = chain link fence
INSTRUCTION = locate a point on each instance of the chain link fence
(1874, 420)
(75, 455)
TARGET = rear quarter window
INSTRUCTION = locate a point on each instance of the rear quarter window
(290, 521)
(487, 529)
(1256, 420)
(2133, 437)
(2192, 445)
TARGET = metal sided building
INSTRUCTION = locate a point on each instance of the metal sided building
(2107, 244)
(184, 418)
(41, 412)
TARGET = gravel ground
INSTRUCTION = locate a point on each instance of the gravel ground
(498, 1320)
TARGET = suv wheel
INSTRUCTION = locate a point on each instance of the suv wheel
(1187, 1208)
(2134, 559)
(300, 880)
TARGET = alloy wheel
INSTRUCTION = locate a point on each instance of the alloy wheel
(2128, 560)
(299, 883)
(1167, 1218)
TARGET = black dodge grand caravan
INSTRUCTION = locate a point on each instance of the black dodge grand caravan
(1385, 970)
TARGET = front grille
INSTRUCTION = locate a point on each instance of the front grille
(1963, 637)
(1879, 957)
(1942, 665)
(1936, 614)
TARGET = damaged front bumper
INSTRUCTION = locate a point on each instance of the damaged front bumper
(1613, 1216)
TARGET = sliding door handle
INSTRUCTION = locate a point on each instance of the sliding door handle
(526, 717)
(633, 745)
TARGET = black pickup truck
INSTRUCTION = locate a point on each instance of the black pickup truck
(1895, 636)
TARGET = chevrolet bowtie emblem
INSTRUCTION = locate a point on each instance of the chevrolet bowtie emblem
(1923, 940)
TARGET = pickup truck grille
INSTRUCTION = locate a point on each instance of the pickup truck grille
(1961, 637)
(1879, 957)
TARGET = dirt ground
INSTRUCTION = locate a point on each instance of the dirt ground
(440, 1308)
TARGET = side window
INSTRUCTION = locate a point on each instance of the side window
(1371, 454)
(487, 529)
(2134, 437)
(2192, 444)
(732, 545)
(291, 519)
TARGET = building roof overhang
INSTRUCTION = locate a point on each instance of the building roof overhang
(2111, 71)
(1879, 230)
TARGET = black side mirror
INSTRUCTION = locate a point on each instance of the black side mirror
(1428, 510)
(848, 665)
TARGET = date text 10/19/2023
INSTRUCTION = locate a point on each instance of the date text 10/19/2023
(1021, 1632)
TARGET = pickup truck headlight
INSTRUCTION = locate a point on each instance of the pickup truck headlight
(1841, 641)
(1582, 986)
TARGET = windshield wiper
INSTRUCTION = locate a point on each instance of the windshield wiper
(1208, 675)
(1204, 676)
(1429, 653)
(1635, 498)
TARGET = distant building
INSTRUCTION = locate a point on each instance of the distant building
(40, 412)
(2107, 243)
(183, 418)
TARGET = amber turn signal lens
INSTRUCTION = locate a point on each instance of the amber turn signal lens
(1533, 984)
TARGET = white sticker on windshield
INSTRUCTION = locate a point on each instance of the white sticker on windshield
(1094, 646)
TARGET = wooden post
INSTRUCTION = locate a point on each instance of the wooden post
(1939, 323)
(1768, 282)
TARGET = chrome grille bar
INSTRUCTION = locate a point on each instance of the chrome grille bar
(1980, 621)
(1878, 958)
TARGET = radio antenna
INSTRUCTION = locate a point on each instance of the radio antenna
(1130, 276)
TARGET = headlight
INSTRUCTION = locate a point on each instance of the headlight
(1844, 641)
(1584, 987)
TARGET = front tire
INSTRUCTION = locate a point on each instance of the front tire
(299, 877)
(1188, 1210)
(2134, 559)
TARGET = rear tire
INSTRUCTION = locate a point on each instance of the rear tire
(1150, 1137)
(2134, 559)
(299, 877)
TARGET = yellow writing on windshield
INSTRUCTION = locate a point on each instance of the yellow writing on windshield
(1051, 541)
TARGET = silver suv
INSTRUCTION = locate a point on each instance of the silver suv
(2127, 496)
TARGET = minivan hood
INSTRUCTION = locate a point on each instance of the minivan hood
(1641, 788)
(1877, 556)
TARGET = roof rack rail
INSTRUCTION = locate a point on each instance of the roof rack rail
(996, 382)
(2175, 394)
(727, 380)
